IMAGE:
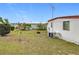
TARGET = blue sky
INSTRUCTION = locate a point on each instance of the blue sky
(38, 12)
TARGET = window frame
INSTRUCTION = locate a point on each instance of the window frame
(51, 25)
(66, 25)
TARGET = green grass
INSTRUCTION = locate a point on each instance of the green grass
(31, 43)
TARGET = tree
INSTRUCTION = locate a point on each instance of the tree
(12, 28)
(28, 26)
(24, 26)
(6, 21)
(41, 26)
(4, 26)
(1, 21)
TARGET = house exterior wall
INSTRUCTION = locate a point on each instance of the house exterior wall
(71, 35)
(49, 28)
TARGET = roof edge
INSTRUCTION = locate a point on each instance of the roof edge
(65, 17)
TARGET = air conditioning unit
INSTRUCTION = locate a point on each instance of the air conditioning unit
(57, 35)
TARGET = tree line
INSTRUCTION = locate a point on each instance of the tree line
(6, 27)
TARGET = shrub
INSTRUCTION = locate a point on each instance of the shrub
(12, 28)
(4, 29)
(7, 29)
(41, 26)
(4, 26)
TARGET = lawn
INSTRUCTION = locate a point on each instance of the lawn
(31, 43)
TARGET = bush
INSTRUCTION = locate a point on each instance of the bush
(4, 29)
(7, 29)
(41, 26)
(12, 28)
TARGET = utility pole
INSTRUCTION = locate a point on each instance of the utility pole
(52, 12)
(52, 9)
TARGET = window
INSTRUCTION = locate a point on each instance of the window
(66, 25)
(51, 24)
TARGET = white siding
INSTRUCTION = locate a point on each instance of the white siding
(72, 35)
(49, 28)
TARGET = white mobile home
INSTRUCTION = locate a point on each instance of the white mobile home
(66, 27)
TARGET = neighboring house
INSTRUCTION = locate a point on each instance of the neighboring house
(66, 27)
